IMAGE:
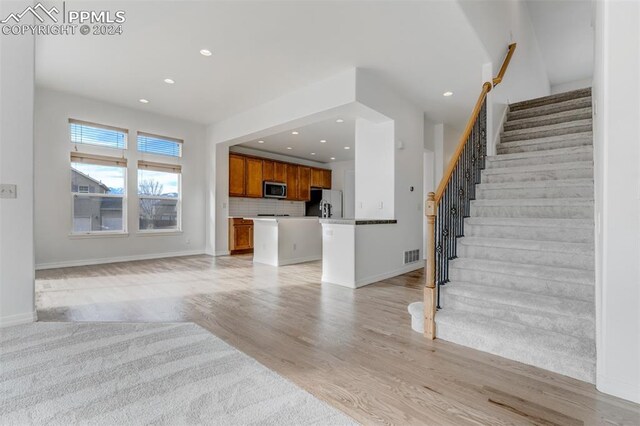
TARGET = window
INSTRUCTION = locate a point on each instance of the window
(97, 134)
(159, 196)
(159, 145)
(98, 190)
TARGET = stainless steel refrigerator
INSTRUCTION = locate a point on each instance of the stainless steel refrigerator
(324, 203)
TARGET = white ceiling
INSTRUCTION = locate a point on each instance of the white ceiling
(565, 36)
(307, 141)
(262, 50)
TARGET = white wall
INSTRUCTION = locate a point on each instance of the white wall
(375, 169)
(498, 23)
(54, 246)
(16, 167)
(617, 179)
(571, 85)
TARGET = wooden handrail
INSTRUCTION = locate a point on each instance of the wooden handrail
(433, 199)
(503, 69)
(486, 88)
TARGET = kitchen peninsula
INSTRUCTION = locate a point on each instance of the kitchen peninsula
(279, 241)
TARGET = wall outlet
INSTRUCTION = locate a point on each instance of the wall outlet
(8, 190)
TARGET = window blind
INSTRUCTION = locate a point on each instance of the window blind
(83, 132)
(159, 167)
(101, 160)
(160, 145)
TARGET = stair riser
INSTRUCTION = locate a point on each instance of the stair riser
(513, 176)
(518, 147)
(534, 161)
(569, 325)
(555, 108)
(573, 96)
(517, 135)
(567, 365)
(559, 192)
(542, 212)
(535, 233)
(528, 284)
(584, 261)
(538, 121)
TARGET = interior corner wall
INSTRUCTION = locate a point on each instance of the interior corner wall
(16, 167)
(616, 94)
(222, 199)
(54, 246)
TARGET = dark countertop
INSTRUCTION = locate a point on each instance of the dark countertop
(358, 221)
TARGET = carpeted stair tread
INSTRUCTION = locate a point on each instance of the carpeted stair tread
(534, 202)
(538, 184)
(551, 99)
(533, 222)
(550, 142)
(562, 129)
(538, 168)
(546, 110)
(551, 156)
(554, 118)
(500, 228)
(557, 352)
(502, 279)
(520, 299)
(557, 188)
(552, 273)
(546, 246)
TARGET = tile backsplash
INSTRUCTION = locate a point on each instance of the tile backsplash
(247, 207)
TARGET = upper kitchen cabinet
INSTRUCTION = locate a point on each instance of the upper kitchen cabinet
(326, 179)
(267, 170)
(236, 175)
(321, 178)
(304, 183)
(279, 172)
(253, 177)
(292, 181)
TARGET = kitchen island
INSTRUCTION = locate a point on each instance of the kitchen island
(279, 240)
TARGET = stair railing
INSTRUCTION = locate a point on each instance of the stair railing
(450, 204)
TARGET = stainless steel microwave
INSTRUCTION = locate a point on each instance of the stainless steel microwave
(274, 190)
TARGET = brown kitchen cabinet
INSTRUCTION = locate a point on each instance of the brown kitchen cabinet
(253, 177)
(267, 170)
(304, 183)
(326, 179)
(317, 178)
(292, 181)
(240, 235)
(279, 172)
(236, 175)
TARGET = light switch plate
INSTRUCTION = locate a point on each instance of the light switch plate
(8, 190)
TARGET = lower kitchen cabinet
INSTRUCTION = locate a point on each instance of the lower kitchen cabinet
(240, 235)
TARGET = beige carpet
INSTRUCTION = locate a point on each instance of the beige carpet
(117, 374)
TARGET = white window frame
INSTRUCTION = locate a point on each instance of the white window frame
(103, 127)
(80, 189)
(88, 195)
(178, 229)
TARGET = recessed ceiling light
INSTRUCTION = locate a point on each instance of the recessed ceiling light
(144, 101)
(347, 147)
(205, 52)
(260, 141)
(289, 147)
(169, 81)
(323, 141)
(294, 133)
(333, 158)
(313, 153)
(447, 94)
(339, 120)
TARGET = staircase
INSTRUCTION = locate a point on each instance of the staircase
(522, 285)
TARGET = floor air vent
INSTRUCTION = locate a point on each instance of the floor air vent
(411, 256)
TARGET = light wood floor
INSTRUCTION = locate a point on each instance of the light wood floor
(353, 349)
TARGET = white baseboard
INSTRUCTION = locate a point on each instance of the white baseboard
(85, 262)
(25, 318)
(624, 390)
(375, 278)
(222, 253)
(300, 260)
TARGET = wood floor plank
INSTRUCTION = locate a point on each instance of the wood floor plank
(353, 349)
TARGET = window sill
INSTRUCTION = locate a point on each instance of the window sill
(98, 235)
(152, 233)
